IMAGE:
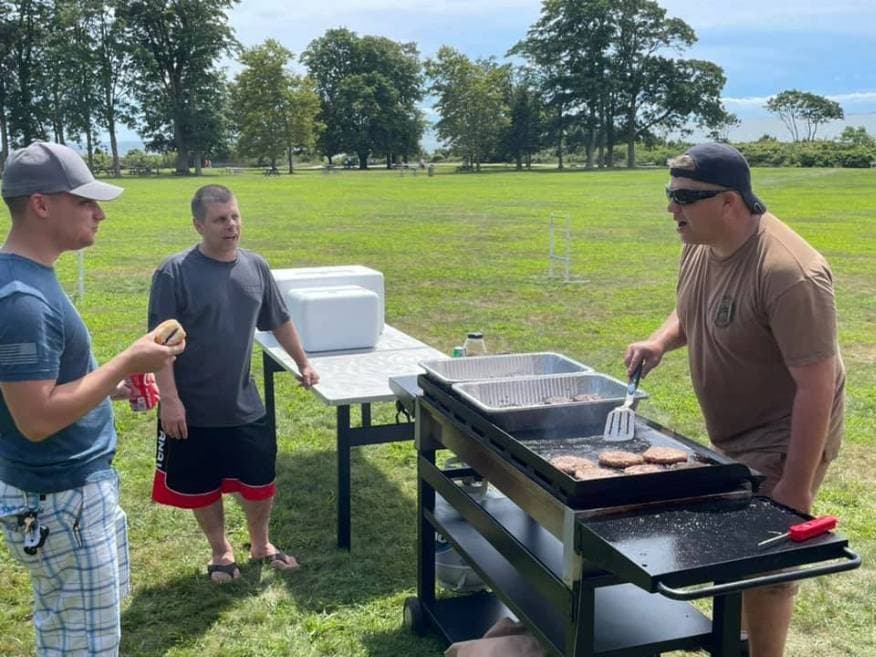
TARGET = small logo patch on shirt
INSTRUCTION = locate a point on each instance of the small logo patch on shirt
(18, 353)
(726, 312)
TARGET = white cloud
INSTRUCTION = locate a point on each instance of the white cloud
(849, 16)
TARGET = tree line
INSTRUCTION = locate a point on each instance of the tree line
(589, 75)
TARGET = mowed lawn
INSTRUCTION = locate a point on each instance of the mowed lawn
(459, 253)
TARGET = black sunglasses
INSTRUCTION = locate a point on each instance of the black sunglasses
(688, 196)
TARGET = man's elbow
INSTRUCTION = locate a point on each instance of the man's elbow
(35, 431)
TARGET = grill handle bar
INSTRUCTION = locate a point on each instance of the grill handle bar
(853, 561)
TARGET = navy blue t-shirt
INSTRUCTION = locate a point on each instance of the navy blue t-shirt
(42, 337)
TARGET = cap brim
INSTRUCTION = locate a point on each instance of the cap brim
(753, 202)
(97, 191)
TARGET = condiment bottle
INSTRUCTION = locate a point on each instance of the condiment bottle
(474, 344)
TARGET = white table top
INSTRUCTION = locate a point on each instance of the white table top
(359, 376)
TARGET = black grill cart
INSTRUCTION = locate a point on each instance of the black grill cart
(601, 567)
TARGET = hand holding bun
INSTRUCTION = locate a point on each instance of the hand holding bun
(170, 332)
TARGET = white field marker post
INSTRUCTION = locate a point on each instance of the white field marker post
(555, 219)
(80, 275)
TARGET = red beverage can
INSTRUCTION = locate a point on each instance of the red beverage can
(144, 391)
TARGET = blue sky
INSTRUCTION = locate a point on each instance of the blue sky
(827, 47)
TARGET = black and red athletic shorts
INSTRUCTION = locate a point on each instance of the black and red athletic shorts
(194, 472)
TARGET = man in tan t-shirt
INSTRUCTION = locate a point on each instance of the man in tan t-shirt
(755, 308)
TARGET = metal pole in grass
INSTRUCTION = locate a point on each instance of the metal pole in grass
(80, 274)
(555, 219)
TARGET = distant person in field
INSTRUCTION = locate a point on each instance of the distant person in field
(213, 433)
(755, 308)
(59, 496)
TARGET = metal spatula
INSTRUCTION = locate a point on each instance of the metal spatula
(621, 422)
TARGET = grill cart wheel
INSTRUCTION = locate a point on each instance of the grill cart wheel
(414, 618)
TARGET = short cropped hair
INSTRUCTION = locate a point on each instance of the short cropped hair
(17, 206)
(207, 195)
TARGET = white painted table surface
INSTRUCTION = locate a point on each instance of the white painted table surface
(358, 376)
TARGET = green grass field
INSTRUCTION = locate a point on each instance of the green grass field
(459, 253)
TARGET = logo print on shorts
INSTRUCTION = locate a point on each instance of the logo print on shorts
(726, 312)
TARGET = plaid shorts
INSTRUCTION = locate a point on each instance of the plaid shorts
(81, 573)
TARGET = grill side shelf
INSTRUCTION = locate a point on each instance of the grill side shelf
(700, 543)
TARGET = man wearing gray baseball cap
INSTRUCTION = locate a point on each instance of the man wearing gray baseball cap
(59, 507)
(755, 308)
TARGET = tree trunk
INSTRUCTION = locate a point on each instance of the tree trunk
(181, 164)
(289, 155)
(590, 146)
(89, 148)
(363, 159)
(198, 163)
(519, 162)
(389, 161)
(182, 150)
(631, 139)
(4, 137)
(114, 145)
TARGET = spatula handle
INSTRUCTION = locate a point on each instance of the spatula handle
(635, 378)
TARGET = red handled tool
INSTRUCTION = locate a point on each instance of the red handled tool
(804, 531)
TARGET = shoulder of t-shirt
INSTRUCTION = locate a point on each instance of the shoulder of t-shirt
(13, 289)
(254, 257)
(787, 258)
(25, 298)
(172, 263)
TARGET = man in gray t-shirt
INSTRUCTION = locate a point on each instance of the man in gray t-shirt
(213, 436)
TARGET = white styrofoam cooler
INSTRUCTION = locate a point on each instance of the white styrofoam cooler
(314, 277)
(337, 317)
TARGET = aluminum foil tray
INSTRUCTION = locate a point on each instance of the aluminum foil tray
(480, 368)
(520, 404)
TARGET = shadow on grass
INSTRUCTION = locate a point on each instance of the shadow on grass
(382, 560)
(402, 642)
(177, 612)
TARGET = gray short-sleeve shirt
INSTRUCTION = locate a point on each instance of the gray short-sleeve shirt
(220, 304)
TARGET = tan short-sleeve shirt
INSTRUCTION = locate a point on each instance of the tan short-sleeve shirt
(747, 319)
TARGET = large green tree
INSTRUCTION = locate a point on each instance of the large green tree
(369, 88)
(801, 109)
(569, 46)
(608, 72)
(181, 95)
(526, 115)
(472, 101)
(27, 107)
(273, 108)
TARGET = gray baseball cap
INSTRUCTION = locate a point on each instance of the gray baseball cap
(47, 168)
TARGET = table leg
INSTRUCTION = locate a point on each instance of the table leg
(268, 368)
(343, 450)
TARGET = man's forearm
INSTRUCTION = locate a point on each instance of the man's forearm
(166, 383)
(287, 336)
(64, 404)
(670, 335)
(810, 418)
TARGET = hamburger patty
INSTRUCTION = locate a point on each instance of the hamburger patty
(664, 455)
(569, 464)
(615, 458)
(643, 468)
(595, 473)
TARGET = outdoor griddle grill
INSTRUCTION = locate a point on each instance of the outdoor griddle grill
(599, 567)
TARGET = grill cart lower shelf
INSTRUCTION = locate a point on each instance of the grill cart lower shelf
(618, 610)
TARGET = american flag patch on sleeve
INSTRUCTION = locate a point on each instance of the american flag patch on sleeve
(18, 353)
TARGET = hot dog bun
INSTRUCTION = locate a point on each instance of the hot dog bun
(170, 332)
